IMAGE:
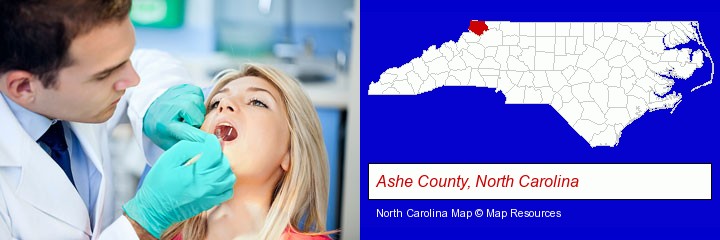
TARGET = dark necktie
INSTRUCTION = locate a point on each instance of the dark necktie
(54, 138)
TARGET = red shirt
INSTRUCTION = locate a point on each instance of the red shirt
(290, 233)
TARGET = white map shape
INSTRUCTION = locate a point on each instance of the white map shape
(600, 77)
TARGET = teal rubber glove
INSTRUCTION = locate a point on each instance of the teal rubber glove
(173, 192)
(175, 115)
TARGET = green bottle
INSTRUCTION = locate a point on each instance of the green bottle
(158, 13)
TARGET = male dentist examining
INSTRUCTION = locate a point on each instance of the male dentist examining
(67, 77)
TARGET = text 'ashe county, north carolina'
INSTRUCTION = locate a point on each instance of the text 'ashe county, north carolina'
(479, 181)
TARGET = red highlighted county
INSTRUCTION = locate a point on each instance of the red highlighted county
(478, 27)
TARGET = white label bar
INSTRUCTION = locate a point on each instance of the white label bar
(539, 181)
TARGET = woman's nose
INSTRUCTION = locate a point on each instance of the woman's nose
(226, 105)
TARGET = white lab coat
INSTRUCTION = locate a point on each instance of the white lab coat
(37, 201)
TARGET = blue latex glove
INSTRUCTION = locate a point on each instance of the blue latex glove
(175, 115)
(173, 192)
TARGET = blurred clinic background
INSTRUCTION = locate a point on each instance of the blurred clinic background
(317, 41)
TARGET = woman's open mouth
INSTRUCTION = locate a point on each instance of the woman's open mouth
(225, 132)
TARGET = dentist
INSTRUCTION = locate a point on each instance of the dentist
(68, 75)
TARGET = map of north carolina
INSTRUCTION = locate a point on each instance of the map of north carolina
(599, 77)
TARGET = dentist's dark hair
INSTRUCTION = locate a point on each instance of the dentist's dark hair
(35, 35)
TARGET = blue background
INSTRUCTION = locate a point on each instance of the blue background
(473, 125)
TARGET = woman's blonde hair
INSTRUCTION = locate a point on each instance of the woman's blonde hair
(301, 195)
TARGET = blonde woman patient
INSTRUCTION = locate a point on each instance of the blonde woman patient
(270, 134)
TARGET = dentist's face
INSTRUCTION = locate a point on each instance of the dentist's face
(249, 115)
(89, 89)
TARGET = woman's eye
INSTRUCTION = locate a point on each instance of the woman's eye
(258, 103)
(102, 77)
(214, 104)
